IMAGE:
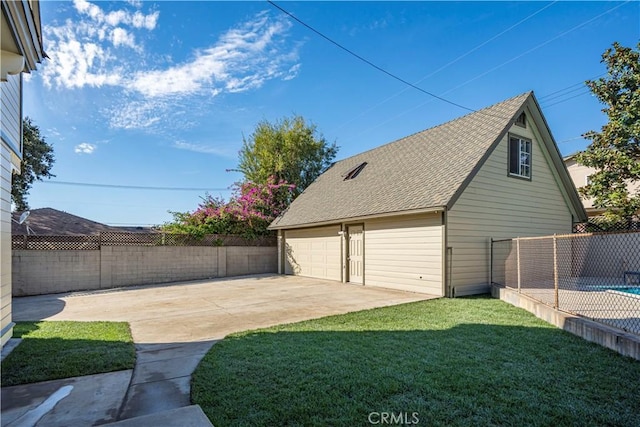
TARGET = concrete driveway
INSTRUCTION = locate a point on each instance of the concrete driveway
(209, 310)
(173, 327)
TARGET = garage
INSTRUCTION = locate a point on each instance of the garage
(313, 252)
(403, 252)
(418, 214)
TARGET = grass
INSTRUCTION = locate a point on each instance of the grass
(53, 350)
(453, 362)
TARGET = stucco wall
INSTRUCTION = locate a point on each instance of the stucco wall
(42, 272)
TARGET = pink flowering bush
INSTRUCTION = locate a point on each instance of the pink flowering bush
(248, 213)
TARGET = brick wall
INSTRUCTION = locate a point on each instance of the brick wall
(43, 272)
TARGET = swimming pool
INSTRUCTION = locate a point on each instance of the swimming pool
(634, 291)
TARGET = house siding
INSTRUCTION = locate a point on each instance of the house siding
(495, 205)
(404, 253)
(10, 121)
(5, 243)
(579, 174)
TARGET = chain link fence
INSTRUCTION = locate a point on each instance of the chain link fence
(602, 223)
(594, 275)
(95, 242)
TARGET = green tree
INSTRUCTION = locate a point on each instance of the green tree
(289, 150)
(615, 151)
(37, 161)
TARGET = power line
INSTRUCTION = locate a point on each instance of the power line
(581, 84)
(448, 64)
(570, 139)
(133, 187)
(366, 61)
(564, 94)
(499, 66)
(586, 92)
(564, 33)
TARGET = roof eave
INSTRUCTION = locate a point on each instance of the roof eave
(433, 209)
(559, 162)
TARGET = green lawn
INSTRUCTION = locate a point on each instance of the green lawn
(452, 362)
(52, 350)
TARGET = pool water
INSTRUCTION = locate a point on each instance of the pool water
(635, 291)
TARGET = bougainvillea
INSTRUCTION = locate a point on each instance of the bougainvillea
(248, 213)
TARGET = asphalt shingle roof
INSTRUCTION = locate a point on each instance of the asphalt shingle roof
(49, 221)
(420, 171)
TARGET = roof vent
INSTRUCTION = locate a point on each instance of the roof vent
(355, 171)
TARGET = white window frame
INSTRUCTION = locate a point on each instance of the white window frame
(525, 163)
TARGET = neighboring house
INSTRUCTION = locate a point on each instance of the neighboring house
(418, 214)
(580, 175)
(49, 221)
(20, 51)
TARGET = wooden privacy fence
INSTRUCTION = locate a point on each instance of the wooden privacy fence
(94, 242)
(595, 275)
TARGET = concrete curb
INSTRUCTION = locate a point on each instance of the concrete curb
(615, 339)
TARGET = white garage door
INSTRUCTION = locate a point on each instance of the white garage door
(313, 252)
(404, 253)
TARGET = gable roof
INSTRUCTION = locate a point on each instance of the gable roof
(49, 221)
(424, 171)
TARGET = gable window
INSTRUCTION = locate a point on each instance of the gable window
(522, 120)
(355, 171)
(519, 157)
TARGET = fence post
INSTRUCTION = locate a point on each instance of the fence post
(26, 241)
(491, 264)
(518, 260)
(555, 272)
(164, 236)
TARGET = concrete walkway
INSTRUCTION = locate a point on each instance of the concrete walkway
(173, 327)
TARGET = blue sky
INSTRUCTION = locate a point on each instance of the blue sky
(160, 94)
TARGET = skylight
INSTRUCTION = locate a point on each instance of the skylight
(355, 171)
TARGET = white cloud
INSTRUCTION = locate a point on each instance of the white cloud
(85, 148)
(242, 59)
(136, 114)
(106, 49)
(85, 52)
(204, 149)
(136, 19)
(120, 36)
(293, 72)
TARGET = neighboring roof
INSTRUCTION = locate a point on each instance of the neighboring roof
(49, 221)
(427, 170)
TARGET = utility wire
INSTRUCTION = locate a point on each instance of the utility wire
(366, 61)
(564, 33)
(581, 84)
(448, 64)
(133, 187)
(586, 92)
(564, 94)
(499, 66)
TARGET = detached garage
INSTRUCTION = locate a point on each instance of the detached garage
(418, 214)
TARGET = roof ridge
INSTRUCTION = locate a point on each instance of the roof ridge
(449, 122)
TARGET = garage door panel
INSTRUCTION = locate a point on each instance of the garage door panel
(405, 253)
(313, 252)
